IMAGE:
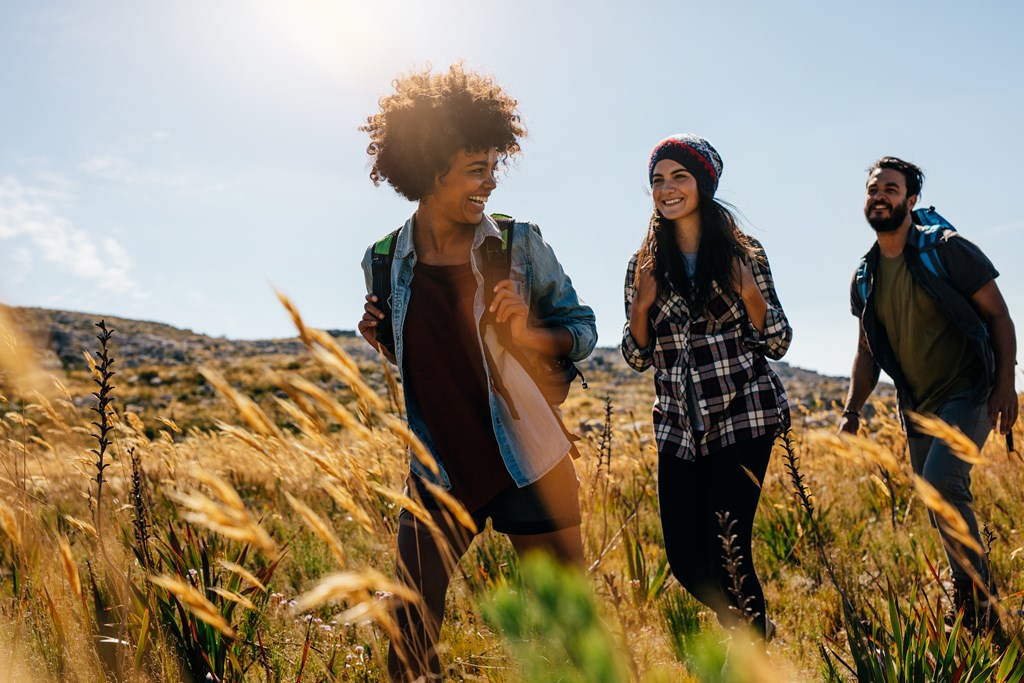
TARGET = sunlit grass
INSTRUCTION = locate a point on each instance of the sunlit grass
(261, 546)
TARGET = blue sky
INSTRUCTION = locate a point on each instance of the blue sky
(175, 161)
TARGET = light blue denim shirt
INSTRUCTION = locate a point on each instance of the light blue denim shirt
(542, 282)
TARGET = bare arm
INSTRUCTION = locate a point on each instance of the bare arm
(1002, 404)
(863, 378)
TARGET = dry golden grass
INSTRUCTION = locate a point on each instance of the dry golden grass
(309, 481)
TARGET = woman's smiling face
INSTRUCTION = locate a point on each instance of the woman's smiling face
(674, 190)
(461, 193)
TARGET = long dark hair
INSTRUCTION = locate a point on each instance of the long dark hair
(721, 242)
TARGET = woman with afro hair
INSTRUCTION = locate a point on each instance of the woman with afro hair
(497, 446)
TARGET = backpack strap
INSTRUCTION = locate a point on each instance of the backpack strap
(380, 268)
(933, 227)
(498, 256)
(860, 281)
(927, 241)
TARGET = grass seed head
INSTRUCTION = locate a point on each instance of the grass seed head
(70, 568)
(953, 523)
(961, 446)
(195, 602)
(319, 527)
(358, 585)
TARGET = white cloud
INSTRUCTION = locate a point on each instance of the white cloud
(109, 167)
(26, 215)
(176, 175)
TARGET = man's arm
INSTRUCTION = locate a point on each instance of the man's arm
(863, 378)
(1002, 404)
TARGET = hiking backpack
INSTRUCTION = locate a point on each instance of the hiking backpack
(933, 225)
(927, 240)
(553, 376)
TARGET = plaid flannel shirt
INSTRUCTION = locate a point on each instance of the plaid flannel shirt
(721, 358)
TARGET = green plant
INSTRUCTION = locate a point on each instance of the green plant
(646, 579)
(551, 624)
(915, 645)
(209, 604)
(781, 532)
(681, 615)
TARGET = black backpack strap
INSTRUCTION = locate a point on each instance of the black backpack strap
(380, 267)
(498, 256)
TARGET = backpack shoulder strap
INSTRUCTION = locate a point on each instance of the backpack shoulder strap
(933, 228)
(927, 240)
(498, 255)
(860, 284)
(380, 267)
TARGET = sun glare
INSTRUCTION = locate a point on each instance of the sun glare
(337, 37)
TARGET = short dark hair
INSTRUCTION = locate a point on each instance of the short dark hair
(430, 117)
(913, 175)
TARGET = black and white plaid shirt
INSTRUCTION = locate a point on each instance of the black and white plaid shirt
(713, 383)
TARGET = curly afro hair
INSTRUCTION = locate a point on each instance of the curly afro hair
(429, 118)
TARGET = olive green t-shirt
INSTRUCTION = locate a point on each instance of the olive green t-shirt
(934, 355)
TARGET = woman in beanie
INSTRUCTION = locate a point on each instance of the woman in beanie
(496, 446)
(702, 309)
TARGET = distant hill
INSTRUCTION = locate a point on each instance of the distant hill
(62, 336)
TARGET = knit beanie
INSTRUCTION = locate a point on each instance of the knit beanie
(695, 154)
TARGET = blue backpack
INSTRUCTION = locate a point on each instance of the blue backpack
(927, 240)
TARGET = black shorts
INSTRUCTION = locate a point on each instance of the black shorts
(549, 504)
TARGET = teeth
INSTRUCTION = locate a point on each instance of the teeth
(670, 202)
(478, 200)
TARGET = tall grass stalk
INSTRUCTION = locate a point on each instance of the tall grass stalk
(104, 398)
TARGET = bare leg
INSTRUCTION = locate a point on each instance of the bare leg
(565, 545)
(425, 563)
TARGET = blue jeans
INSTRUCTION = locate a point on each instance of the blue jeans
(935, 463)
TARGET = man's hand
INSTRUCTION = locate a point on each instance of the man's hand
(849, 423)
(1002, 408)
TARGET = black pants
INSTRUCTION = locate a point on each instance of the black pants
(691, 495)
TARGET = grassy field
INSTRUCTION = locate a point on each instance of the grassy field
(256, 543)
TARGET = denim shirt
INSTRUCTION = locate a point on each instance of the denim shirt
(532, 444)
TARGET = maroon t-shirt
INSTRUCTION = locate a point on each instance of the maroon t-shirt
(444, 371)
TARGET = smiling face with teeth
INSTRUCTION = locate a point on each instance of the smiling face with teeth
(460, 194)
(674, 190)
(887, 206)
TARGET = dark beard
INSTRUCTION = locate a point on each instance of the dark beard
(890, 224)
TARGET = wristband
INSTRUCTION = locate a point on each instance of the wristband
(851, 413)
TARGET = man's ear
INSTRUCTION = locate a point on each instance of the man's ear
(911, 202)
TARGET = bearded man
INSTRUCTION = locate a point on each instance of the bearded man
(933, 318)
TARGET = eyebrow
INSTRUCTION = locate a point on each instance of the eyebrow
(678, 170)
